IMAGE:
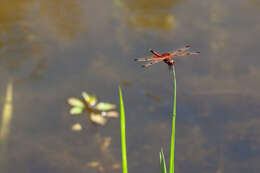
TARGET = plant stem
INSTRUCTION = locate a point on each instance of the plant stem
(171, 170)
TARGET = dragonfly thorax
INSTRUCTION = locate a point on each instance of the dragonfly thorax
(165, 54)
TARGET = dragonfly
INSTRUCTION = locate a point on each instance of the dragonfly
(166, 57)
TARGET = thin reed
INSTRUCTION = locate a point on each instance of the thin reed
(162, 162)
(161, 154)
(171, 170)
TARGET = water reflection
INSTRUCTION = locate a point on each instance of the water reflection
(27, 28)
(255, 3)
(154, 14)
(63, 18)
(5, 124)
(108, 161)
(19, 41)
(63, 152)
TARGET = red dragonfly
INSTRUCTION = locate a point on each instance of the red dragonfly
(166, 57)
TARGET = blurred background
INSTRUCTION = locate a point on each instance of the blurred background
(51, 50)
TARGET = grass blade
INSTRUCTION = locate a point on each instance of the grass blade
(162, 162)
(123, 136)
(171, 170)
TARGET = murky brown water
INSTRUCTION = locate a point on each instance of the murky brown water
(54, 49)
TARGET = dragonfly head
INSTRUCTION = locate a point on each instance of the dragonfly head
(171, 62)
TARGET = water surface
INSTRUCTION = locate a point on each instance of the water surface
(54, 49)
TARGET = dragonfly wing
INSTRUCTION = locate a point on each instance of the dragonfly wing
(152, 62)
(188, 53)
(145, 59)
(181, 49)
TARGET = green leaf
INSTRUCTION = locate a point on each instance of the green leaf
(76, 127)
(91, 100)
(123, 136)
(76, 102)
(85, 96)
(110, 114)
(98, 119)
(102, 106)
(162, 162)
(76, 110)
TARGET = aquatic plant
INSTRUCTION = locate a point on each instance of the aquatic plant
(168, 58)
(161, 154)
(162, 162)
(98, 112)
(171, 169)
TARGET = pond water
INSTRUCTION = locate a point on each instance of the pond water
(51, 50)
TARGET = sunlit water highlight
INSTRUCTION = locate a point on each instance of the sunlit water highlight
(5, 124)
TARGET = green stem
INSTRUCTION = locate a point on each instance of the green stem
(173, 124)
(123, 136)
